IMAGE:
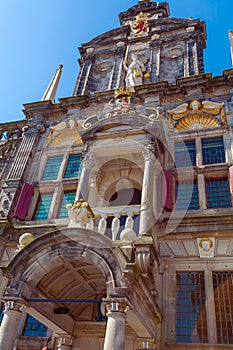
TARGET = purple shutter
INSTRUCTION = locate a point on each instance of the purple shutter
(24, 201)
(167, 190)
(231, 177)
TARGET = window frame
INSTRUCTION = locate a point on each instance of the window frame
(220, 177)
(55, 187)
(38, 203)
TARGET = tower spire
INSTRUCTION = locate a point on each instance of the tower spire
(51, 90)
(230, 33)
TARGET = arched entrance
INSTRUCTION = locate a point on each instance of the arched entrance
(61, 279)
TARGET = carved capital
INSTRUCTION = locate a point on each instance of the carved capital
(89, 57)
(65, 341)
(144, 344)
(116, 306)
(13, 305)
(88, 160)
(149, 152)
(13, 288)
(96, 177)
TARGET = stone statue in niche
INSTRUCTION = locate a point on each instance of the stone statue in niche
(134, 72)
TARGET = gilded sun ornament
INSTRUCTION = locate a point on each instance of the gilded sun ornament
(197, 115)
(64, 133)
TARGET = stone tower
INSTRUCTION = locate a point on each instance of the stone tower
(166, 49)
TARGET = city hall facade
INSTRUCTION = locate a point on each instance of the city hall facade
(116, 225)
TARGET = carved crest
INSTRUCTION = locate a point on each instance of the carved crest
(139, 26)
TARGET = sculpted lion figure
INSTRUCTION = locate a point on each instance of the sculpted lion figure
(80, 211)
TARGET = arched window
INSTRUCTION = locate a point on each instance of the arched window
(127, 196)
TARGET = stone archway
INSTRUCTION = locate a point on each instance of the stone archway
(75, 264)
(118, 175)
(67, 269)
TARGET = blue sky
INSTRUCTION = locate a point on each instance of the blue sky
(37, 35)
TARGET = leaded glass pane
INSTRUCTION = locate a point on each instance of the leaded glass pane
(34, 328)
(223, 297)
(74, 166)
(185, 154)
(43, 207)
(191, 321)
(218, 194)
(68, 197)
(213, 150)
(187, 196)
(52, 168)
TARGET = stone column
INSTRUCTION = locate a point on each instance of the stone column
(64, 342)
(10, 324)
(82, 190)
(147, 186)
(157, 196)
(115, 330)
(93, 193)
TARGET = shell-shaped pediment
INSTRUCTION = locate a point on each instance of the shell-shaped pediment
(65, 133)
(196, 115)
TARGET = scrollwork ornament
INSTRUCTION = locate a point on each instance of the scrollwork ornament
(143, 260)
(154, 116)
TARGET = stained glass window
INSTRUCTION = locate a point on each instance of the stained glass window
(43, 207)
(191, 320)
(68, 197)
(52, 168)
(218, 194)
(34, 328)
(213, 150)
(74, 166)
(185, 154)
(187, 196)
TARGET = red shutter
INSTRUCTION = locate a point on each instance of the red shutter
(24, 201)
(167, 190)
(231, 177)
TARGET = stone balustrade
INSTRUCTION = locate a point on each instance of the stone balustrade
(114, 222)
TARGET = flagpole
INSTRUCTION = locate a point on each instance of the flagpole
(230, 33)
